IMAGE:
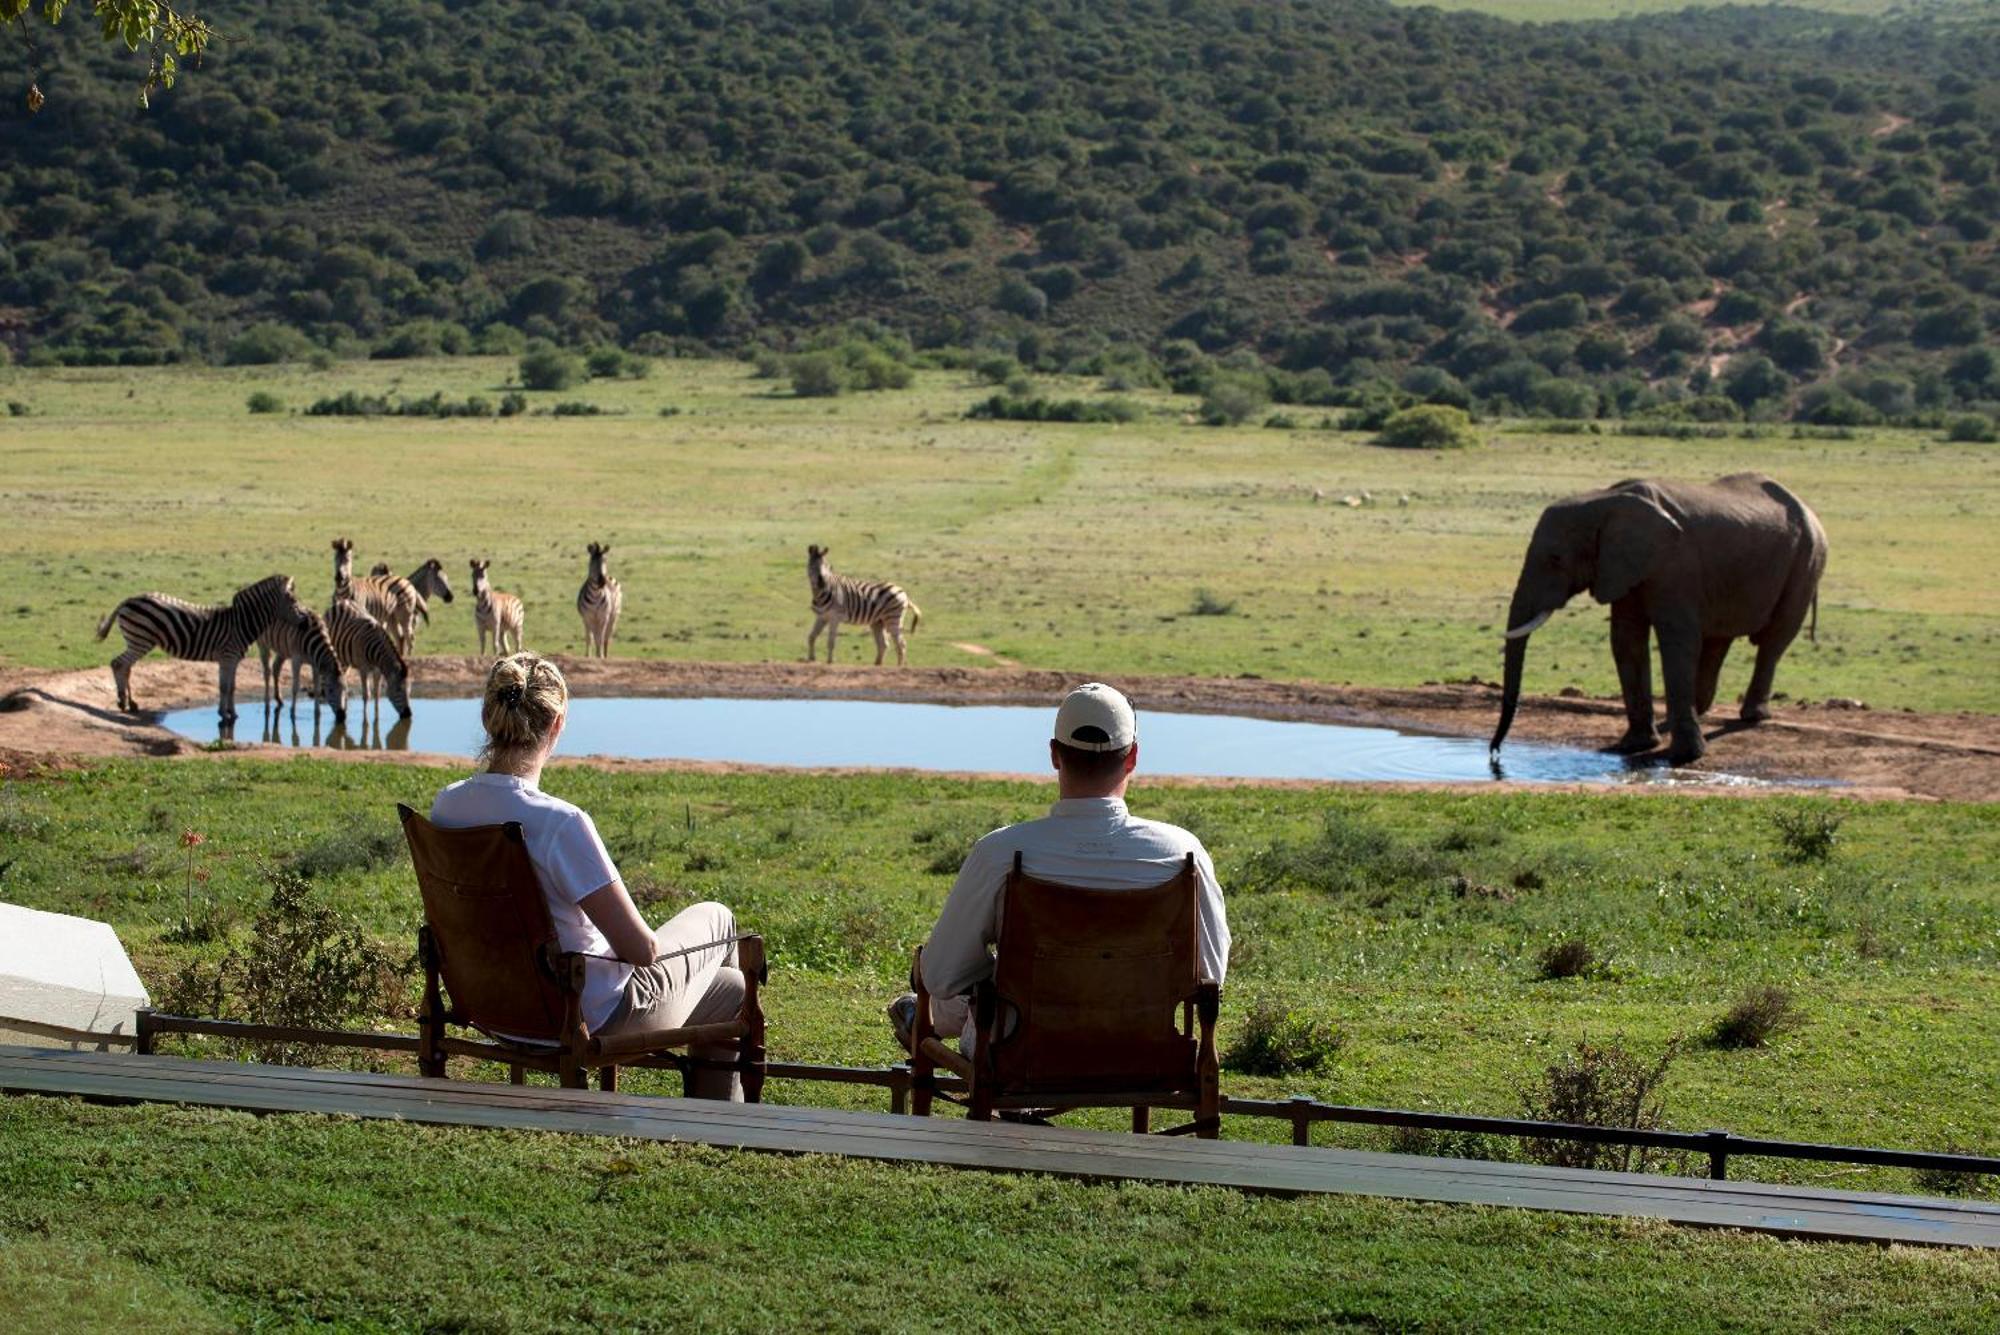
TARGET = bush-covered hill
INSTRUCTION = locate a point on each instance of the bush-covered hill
(1767, 209)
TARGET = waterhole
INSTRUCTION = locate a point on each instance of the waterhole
(823, 733)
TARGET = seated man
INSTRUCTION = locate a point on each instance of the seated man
(1087, 839)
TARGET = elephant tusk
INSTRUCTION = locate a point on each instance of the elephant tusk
(1529, 629)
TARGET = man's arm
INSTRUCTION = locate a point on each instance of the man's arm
(956, 956)
(1214, 922)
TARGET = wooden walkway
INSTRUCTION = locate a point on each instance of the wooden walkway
(1003, 1147)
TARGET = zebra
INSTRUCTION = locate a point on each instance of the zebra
(390, 599)
(598, 603)
(417, 588)
(363, 643)
(302, 640)
(876, 605)
(498, 614)
(220, 634)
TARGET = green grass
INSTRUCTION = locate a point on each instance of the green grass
(293, 1221)
(1413, 922)
(1070, 546)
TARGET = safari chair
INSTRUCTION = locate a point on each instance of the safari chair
(489, 944)
(1093, 1003)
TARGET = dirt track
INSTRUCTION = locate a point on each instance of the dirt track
(47, 715)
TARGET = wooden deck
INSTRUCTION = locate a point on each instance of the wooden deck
(1003, 1147)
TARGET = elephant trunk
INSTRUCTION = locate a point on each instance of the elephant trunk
(1522, 621)
(1510, 690)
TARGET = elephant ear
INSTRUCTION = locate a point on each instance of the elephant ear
(1635, 534)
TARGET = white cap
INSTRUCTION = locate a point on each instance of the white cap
(1095, 717)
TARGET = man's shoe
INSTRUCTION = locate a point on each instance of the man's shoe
(903, 1019)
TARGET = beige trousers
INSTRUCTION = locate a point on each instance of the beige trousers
(701, 987)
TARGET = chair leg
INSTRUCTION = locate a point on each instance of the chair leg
(570, 1073)
(607, 1079)
(516, 1075)
(1142, 1120)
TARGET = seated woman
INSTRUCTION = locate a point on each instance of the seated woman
(648, 985)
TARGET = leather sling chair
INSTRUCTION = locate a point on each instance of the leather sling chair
(1094, 1002)
(489, 945)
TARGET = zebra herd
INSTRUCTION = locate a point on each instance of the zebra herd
(369, 628)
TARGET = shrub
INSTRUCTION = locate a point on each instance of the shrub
(1233, 400)
(1806, 836)
(576, 409)
(513, 404)
(305, 964)
(1277, 1040)
(16, 408)
(266, 344)
(614, 363)
(1571, 957)
(1599, 1085)
(264, 401)
(1973, 428)
(817, 375)
(997, 369)
(1428, 426)
(1757, 1015)
(1002, 407)
(550, 369)
(1207, 604)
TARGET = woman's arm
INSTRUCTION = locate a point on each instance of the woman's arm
(612, 909)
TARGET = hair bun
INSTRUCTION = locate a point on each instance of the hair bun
(512, 695)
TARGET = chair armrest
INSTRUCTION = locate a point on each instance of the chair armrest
(956, 1063)
(649, 1040)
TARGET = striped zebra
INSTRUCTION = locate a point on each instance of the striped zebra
(598, 603)
(418, 587)
(870, 603)
(302, 641)
(500, 615)
(220, 634)
(363, 644)
(390, 599)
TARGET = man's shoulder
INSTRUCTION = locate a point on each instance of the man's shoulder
(1165, 833)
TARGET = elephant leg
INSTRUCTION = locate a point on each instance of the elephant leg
(1680, 665)
(1757, 700)
(1714, 649)
(1632, 652)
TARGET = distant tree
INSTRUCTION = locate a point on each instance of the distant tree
(264, 344)
(1429, 426)
(1755, 380)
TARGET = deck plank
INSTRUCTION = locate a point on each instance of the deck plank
(1003, 1147)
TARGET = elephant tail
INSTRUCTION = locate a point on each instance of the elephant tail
(1815, 621)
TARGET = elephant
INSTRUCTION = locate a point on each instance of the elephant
(1695, 564)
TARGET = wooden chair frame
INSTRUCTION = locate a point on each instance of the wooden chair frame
(1198, 1089)
(575, 1051)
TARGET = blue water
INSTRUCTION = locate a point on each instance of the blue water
(820, 733)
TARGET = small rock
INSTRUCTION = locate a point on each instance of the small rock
(1844, 702)
(1318, 495)
(1404, 499)
(1351, 502)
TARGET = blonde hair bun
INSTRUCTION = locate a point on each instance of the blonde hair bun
(525, 695)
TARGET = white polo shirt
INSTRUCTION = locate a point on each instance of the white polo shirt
(570, 860)
(1088, 841)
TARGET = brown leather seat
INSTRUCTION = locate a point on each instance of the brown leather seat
(489, 945)
(1094, 1002)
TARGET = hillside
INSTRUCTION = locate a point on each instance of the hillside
(1739, 208)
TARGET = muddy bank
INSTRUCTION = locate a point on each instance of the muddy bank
(1878, 754)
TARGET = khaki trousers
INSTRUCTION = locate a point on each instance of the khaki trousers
(701, 987)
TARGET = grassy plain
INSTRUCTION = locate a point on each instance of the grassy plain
(1411, 922)
(1055, 545)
